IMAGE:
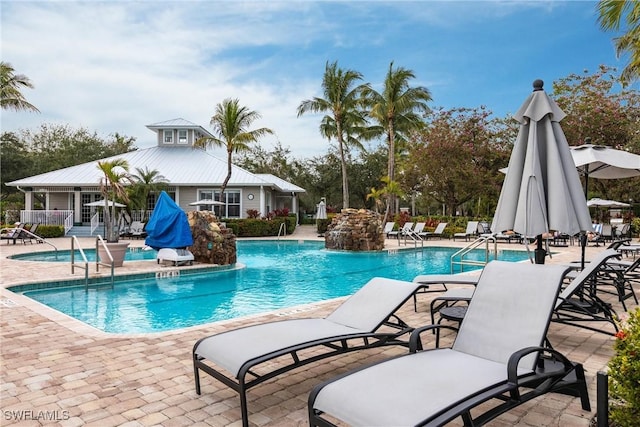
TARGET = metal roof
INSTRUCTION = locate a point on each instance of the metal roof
(181, 166)
(178, 123)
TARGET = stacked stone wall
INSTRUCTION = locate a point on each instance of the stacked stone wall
(213, 243)
(355, 230)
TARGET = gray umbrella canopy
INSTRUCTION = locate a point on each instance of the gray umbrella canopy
(206, 202)
(607, 203)
(602, 162)
(542, 189)
(100, 204)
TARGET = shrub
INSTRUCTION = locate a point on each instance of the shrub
(624, 373)
(253, 213)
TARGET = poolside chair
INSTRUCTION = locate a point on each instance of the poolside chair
(136, 229)
(406, 228)
(435, 233)
(607, 232)
(12, 234)
(244, 357)
(419, 229)
(388, 228)
(428, 281)
(494, 365)
(578, 303)
(472, 229)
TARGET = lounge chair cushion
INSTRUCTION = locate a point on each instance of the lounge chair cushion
(361, 313)
(232, 349)
(422, 373)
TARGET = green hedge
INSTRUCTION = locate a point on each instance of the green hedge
(260, 227)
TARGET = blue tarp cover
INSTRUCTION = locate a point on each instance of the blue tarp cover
(168, 226)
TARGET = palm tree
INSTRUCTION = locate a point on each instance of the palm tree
(346, 118)
(612, 13)
(113, 188)
(10, 85)
(396, 111)
(230, 126)
(145, 181)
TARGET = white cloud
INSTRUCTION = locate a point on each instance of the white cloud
(118, 66)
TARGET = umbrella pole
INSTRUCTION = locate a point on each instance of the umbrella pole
(583, 245)
(539, 252)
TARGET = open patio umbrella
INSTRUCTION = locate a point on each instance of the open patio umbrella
(100, 204)
(595, 202)
(206, 202)
(542, 189)
(601, 162)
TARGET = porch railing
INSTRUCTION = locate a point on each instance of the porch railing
(46, 217)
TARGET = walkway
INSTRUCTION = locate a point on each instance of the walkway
(57, 367)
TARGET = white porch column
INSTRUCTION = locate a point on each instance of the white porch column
(77, 205)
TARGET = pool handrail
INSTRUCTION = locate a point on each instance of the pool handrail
(74, 241)
(35, 236)
(99, 242)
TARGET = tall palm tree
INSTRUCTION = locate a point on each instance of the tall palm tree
(11, 97)
(396, 111)
(612, 12)
(230, 125)
(146, 181)
(345, 119)
(113, 188)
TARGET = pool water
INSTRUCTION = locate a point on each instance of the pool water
(277, 275)
(132, 254)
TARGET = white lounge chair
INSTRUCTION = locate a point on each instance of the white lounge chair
(493, 361)
(472, 229)
(234, 357)
(435, 233)
(406, 228)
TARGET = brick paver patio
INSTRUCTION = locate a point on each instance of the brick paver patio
(59, 371)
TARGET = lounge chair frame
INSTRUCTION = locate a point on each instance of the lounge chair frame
(553, 372)
(578, 303)
(292, 357)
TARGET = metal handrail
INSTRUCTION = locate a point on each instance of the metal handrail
(414, 236)
(472, 246)
(33, 235)
(100, 241)
(74, 240)
(95, 222)
(283, 230)
(68, 223)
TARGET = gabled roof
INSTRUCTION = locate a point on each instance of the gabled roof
(281, 184)
(181, 166)
(178, 123)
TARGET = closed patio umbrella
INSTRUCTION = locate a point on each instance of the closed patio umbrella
(542, 189)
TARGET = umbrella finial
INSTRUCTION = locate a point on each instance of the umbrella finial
(537, 85)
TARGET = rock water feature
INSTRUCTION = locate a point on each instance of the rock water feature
(213, 243)
(355, 230)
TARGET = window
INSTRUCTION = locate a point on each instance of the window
(232, 207)
(168, 136)
(182, 136)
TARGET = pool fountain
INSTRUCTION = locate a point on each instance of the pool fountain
(355, 230)
(213, 243)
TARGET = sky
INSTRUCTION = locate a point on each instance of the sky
(117, 66)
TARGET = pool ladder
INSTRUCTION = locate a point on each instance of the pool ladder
(85, 261)
(282, 230)
(480, 241)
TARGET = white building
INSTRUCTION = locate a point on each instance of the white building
(192, 174)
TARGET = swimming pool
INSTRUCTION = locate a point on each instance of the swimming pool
(277, 275)
(132, 254)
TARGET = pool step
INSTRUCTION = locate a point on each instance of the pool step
(82, 231)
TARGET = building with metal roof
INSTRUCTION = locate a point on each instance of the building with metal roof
(192, 174)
